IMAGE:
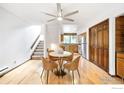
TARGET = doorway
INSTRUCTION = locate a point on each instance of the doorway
(83, 44)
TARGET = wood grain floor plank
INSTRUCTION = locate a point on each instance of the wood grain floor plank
(29, 73)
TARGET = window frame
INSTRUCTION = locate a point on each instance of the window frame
(70, 38)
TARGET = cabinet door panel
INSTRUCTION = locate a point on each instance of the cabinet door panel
(105, 39)
(100, 55)
(95, 37)
(95, 55)
(120, 33)
(105, 59)
(91, 54)
(120, 67)
(100, 39)
(92, 38)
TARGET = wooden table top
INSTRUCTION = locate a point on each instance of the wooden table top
(57, 54)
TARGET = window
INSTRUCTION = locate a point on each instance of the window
(70, 38)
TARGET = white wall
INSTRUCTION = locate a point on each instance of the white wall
(70, 28)
(103, 16)
(53, 31)
(112, 45)
(82, 30)
(16, 38)
(51, 35)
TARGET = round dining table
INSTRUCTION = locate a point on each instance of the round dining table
(60, 56)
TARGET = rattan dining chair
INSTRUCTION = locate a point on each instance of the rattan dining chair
(72, 66)
(69, 58)
(63, 47)
(54, 59)
(49, 50)
(48, 66)
(50, 57)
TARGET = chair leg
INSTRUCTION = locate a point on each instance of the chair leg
(78, 73)
(42, 73)
(73, 76)
(52, 70)
(47, 75)
(122, 79)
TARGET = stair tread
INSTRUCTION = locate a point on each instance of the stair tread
(41, 41)
(38, 51)
(39, 48)
(37, 55)
(40, 45)
(36, 58)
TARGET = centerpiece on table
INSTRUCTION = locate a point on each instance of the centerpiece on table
(60, 50)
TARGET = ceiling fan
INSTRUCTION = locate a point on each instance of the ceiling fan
(60, 15)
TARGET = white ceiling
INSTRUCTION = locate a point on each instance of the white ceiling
(32, 12)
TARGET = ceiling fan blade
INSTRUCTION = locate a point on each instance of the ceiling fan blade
(72, 13)
(49, 14)
(51, 20)
(68, 19)
(59, 10)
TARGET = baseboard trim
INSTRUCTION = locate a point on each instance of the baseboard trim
(101, 68)
(112, 75)
(14, 68)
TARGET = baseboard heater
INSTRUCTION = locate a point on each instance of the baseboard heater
(3, 69)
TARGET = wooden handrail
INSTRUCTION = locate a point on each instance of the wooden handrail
(35, 41)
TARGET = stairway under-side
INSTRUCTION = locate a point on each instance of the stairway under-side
(38, 52)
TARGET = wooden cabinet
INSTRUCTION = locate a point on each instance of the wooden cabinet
(120, 68)
(120, 64)
(120, 33)
(120, 46)
(99, 44)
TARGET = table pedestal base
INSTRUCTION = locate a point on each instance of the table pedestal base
(60, 73)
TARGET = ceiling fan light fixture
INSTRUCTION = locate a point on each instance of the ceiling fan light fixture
(59, 18)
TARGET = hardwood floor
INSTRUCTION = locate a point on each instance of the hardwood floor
(29, 73)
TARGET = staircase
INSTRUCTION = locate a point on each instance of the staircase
(39, 51)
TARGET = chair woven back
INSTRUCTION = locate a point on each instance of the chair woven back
(69, 58)
(75, 63)
(51, 58)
